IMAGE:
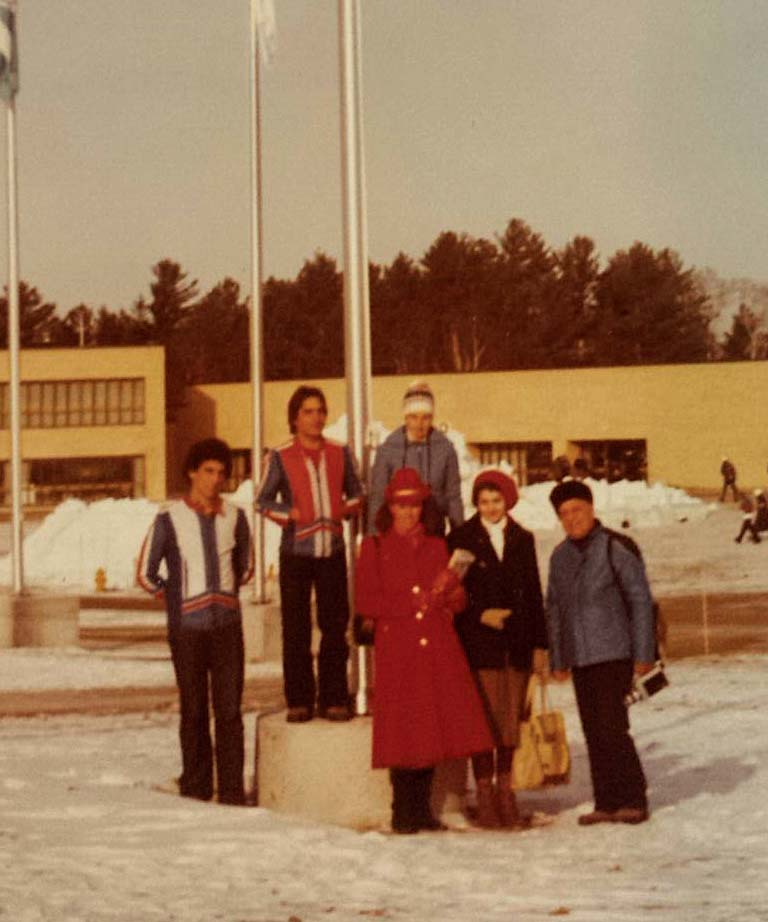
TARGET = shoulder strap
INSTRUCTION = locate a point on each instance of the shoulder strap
(612, 536)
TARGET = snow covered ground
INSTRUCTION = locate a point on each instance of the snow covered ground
(84, 838)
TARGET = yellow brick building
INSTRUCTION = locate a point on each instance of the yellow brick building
(93, 423)
(672, 423)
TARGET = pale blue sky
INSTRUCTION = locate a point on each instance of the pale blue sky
(620, 120)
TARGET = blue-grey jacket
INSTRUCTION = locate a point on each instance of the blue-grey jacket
(436, 462)
(587, 619)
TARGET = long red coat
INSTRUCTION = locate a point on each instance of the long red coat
(426, 707)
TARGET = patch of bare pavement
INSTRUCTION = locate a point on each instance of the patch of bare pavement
(258, 694)
(697, 625)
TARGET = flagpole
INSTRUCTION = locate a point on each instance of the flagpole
(257, 347)
(14, 377)
(356, 325)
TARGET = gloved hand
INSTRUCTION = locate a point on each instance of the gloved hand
(495, 617)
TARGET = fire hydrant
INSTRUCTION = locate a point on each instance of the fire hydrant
(101, 580)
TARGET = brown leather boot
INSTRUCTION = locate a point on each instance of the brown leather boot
(509, 815)
(487, 817)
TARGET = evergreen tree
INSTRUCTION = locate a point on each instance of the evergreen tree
(527, 280)
(37, 318)
(748, 337)
(460, 302)
(215, 336)
(650, 310)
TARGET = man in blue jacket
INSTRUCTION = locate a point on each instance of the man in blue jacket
(419, 445)
(601, 631)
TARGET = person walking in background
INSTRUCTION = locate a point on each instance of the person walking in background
(205, 545)
(601, 631)
(426, 708)
(755, 517)
(419, 445)
(503, 632)
(309, 487)
(580, 470)
(728, 473)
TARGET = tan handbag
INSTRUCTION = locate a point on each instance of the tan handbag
(542, 757)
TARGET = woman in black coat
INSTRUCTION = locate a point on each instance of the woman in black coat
(500, 629)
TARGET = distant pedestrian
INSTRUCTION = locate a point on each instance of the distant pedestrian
(419, 445)
(755, 517)
(601, 631)
(560, 468)
(580, 470)
(309, 487)
(205, 545)
(728, 473)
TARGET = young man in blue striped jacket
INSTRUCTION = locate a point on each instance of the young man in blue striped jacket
(310, 485)
(205, 545)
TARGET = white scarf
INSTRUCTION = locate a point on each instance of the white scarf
(496, 534)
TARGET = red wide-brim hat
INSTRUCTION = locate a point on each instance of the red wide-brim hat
(407, 488)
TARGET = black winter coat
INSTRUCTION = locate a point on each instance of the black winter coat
(512, 582)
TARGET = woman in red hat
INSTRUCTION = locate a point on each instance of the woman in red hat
(500, 628)
(426, 707)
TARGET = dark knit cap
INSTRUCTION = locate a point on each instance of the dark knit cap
(569, 489)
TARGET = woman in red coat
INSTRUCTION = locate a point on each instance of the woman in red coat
(426, 707)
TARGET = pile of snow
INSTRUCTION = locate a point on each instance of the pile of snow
(77, 537)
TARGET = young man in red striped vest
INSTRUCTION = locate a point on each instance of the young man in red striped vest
(310, 485)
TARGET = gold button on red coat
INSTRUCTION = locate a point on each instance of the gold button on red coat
(419, 615)
(423, 642)
(416, 590)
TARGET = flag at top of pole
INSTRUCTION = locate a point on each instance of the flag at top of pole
(263, 18)
(9, 66)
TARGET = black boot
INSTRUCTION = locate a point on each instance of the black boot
(423, 797)
(403, 818)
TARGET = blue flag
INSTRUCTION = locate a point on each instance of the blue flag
(9, 68)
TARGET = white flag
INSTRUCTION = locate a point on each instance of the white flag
(9, 68)
(263, 19)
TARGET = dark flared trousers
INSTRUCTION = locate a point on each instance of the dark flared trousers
(617, 775)
(328, 575)
(197, 656)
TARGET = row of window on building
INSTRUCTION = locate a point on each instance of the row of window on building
(121, 401)
(86, 402)
(48, 481)
(533, 462)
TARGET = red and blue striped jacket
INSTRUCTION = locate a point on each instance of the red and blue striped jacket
(206, 559)
(323, 494)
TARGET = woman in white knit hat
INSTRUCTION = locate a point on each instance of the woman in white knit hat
(419, 445)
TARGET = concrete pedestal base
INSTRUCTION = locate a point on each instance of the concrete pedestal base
(39, 620)
(262, 631)
(322, 771)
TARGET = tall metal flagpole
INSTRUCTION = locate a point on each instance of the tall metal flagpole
(8, 88)
(14, 377)
(257, 346)
(356, 325)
